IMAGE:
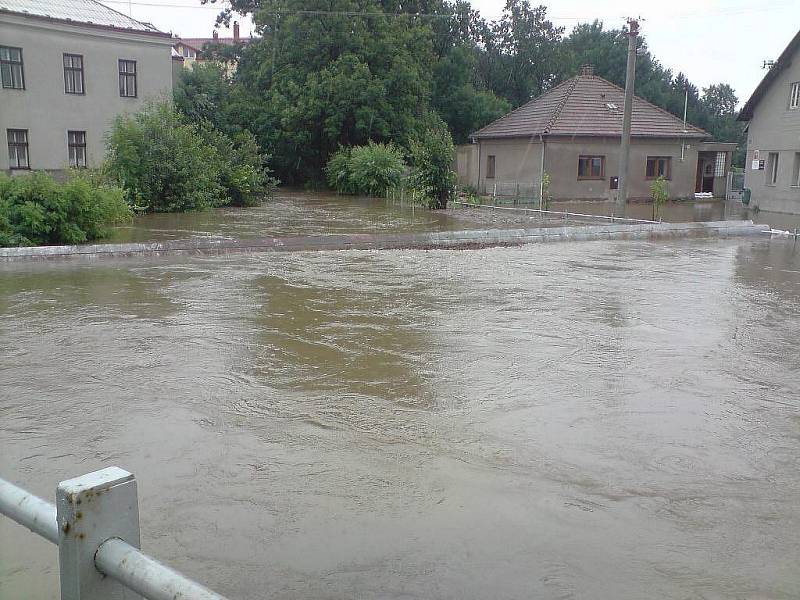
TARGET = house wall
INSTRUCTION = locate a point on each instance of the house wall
(518, 160)
(47, 112)
(775, 128)
(466, 164)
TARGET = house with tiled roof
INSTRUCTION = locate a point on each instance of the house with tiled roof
(191, 51)
(572, 134)
(772, 166)
(67, 68)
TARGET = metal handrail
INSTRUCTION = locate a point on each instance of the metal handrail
(114, 557)
(552, 212)
(28, 510)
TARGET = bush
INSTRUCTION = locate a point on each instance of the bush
(369, 170)
(659, 191)
(166, 164)
(432, 175)
(36, 210)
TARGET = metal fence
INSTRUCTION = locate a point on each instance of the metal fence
(734, 190)
(95, 524)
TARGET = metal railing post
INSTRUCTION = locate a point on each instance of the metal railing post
(91, 509)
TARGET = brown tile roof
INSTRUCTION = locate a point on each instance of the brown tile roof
(587, 105)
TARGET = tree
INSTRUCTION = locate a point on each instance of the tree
(432, 155)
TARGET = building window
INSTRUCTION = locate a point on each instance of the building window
(127, 78)
(490, 165)
(11, 73)
(591, 167)
(772, 168)
(18, 149)
(76, 140)
(659, 166)
(794, 95)
(796, 170)
(73, 74)
(719, 167)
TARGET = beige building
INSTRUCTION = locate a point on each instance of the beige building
(67, 68)
(186, 52)
(772, 165)
(572, 133)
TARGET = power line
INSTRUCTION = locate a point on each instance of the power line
(375, 14)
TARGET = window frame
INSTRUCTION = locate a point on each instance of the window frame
(796, 171)
(491, 166)
(127, 76)
(71, 70)
(72, 149)
(773, 160)
(16, 145)
(9, 63)
(794, 95)
(590, 158)
(668, 170)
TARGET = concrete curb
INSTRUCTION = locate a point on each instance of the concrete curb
(386, 241)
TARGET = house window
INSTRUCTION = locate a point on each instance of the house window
(772, 168)
(719, 167)
(18, 149)
(73, 74)
(794, 95)
(76, 140)
(490, 164)
(659, 166)
(127, 78)
(11, 73)
(796, 170)
(591, 167)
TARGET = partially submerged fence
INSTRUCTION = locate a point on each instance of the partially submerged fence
(95, 524)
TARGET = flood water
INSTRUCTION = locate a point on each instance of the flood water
(569, 420)
(293, 212)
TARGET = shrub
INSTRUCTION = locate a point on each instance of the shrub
(338, 172)
(243, 171)
(35, 210)
(370, 170)
(432, 175)
(166, 164)
(659, 191)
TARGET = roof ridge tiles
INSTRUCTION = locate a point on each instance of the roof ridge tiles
(559, 107)
(523, 106)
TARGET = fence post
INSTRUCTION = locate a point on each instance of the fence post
(91, 509)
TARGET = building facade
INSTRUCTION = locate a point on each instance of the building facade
(572, 134)
(772, 166)
(62, 81)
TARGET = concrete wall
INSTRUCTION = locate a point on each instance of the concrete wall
(466, 165)
(775, 128)
(47, 112)
(519, 160)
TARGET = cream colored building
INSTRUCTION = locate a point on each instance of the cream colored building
(67, 68)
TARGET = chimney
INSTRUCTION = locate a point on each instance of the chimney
(215, 35)
(587, 70)
(236, 31)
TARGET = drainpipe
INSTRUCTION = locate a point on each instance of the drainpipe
(541, 175)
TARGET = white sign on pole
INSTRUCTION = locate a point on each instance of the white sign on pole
(754, 166)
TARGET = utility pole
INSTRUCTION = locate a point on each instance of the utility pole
(624, 148)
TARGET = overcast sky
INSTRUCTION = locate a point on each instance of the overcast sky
(711, 41)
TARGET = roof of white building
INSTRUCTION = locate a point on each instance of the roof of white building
(81, 11)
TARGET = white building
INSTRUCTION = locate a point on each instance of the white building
(67, 68)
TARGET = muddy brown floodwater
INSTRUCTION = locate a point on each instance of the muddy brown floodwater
(573, 420)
